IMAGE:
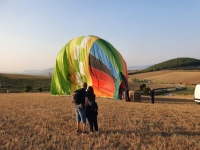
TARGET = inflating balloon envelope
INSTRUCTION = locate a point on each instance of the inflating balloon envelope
(93, 60)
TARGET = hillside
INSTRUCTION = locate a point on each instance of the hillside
(176, 64)
(178, 81)
(158, 79)
(169, 77)
(16, 82)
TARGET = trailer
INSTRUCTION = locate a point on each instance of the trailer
(197, 94)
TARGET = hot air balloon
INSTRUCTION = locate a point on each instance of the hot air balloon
(93, 60)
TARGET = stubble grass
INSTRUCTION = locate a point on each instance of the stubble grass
(42, 121)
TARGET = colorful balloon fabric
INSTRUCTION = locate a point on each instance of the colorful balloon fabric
(93, 60)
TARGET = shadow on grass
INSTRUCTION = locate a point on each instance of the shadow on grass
(167, 100)
(142, 133)
(182, 133)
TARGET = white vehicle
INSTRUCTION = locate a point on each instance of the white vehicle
(197, 94)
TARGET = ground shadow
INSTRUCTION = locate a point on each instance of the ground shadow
(142, 133)
(166, 100)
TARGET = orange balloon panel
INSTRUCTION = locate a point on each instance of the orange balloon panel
(103, 84)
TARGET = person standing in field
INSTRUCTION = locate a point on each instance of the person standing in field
(92, 110)
(80, 109)
(127, 95)
(120, 93)
(152, 95)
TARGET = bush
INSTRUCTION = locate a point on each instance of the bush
(145, 91)
(142, 86)
(40, 89)
(28, 88)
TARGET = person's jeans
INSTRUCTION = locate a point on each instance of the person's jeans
(92, 119)
(80, 115)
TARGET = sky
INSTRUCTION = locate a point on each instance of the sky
(145, 32)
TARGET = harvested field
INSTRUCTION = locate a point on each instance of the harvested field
(170, 76)
(42, 121)
(19, 76)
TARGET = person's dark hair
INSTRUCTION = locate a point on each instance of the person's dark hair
(84, 85)
(91, 95)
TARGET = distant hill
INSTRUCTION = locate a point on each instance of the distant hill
(137, 67)
(50, 70)
(176, 64)
(173, 64)
(38, 72)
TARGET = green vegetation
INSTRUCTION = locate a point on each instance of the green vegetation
(144, 89)
(175, 64)
(28, 88)
(24, 83)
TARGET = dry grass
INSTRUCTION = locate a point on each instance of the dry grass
(41, 121)
(170, 76)
(19, 76)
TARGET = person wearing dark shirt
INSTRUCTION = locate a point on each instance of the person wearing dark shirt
(92, 110)
(120, 93)
(127, 95)
(81, 111)
(152, 95)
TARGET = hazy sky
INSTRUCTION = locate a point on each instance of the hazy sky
(145, 32)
